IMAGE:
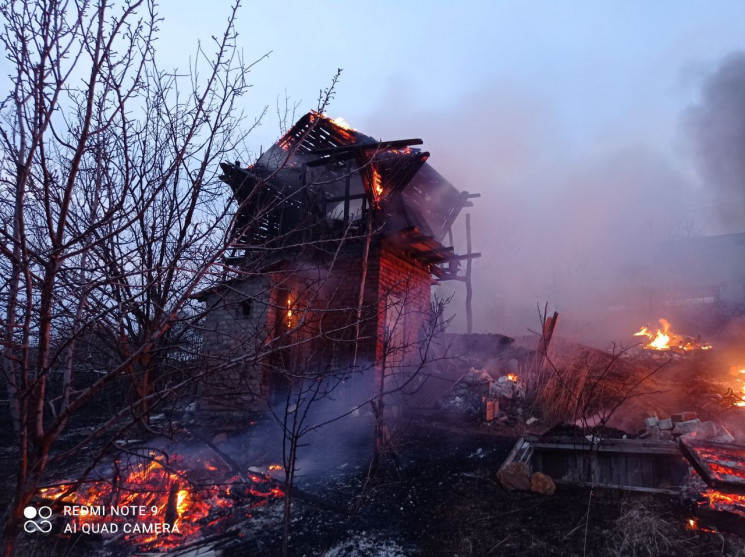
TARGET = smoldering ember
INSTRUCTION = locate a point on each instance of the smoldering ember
(304, 352)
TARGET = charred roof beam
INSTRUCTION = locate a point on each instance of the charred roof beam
(378, 146)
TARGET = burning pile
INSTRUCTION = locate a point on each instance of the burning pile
(183, 500)
(722, 467)
(666, 340)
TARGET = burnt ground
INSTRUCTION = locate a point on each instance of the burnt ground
(444, 500)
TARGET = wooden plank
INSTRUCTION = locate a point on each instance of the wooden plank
(377, 146)
(616, 469)
(513, 453)
(474, 255)
(704, 471)
(605, 468)
(469, 288)
(607, 449)
(624, 487)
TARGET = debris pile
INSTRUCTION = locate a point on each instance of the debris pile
(683, 424)
(478, 393)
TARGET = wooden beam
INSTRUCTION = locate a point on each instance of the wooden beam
(474, 255)
(469, 289)
(380, 145)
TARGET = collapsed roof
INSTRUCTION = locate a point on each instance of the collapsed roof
(321, 179)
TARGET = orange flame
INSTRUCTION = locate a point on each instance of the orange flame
(377, 183)
(664, 339)
(512, 377)
(163, 489)
(341, 123)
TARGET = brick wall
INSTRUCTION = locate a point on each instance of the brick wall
(321, 332)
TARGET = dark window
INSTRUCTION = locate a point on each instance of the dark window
(246, 308)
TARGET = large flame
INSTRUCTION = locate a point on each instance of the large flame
(666, 339)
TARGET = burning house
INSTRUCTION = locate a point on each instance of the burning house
(338, 240)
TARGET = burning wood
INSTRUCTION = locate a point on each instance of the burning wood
(666, 340)
(722, 467)
(178, 500)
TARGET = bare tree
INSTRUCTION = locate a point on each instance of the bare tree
(112, 215)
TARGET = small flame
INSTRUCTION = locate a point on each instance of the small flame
(275, 467)
(377, 183)
(340, 122)
(741, 402)
(512, 377)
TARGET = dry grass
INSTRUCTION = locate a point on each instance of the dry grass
(640, 531)
(585, 384)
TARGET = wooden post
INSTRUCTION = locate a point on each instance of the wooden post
(547, 334)
(469, 290)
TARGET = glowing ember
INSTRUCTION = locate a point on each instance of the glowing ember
(512, 377)
(178, 507)
(275, 467)
(720, 501)
(664, 339)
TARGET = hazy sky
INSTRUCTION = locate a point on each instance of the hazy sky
(596, 67)
(568, 117)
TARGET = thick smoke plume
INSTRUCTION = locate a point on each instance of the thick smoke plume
(717, 126)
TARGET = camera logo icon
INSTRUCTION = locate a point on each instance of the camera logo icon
(37, 519)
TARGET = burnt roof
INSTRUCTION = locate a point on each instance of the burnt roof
(320, 166)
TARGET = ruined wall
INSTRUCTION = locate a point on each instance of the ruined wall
(305, 320)
(236, 328)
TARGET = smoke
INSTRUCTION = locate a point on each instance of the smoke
(717, 128)
(566, 216)
(338, 434)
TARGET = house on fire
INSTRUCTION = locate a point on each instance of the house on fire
(338, 238)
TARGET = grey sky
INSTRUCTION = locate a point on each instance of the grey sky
(568, 117)
(599, 67)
